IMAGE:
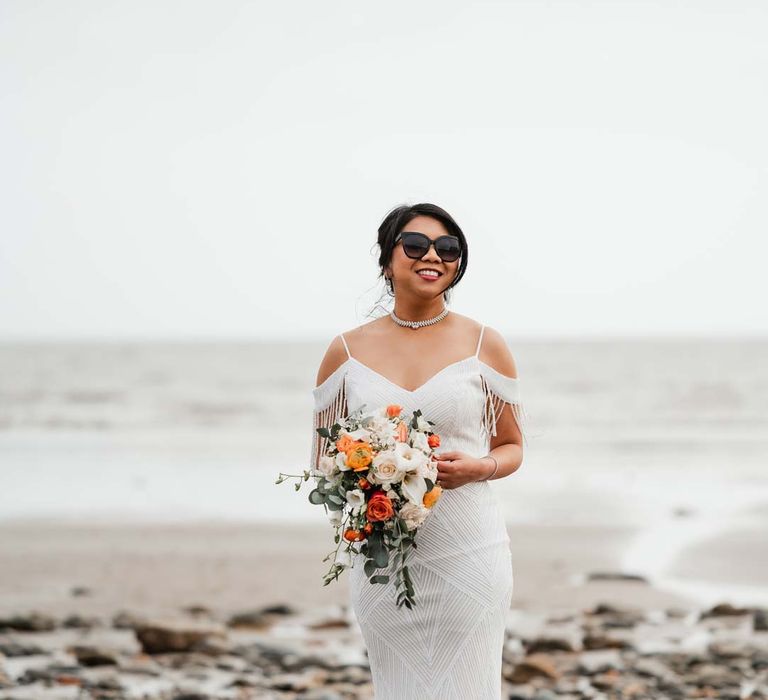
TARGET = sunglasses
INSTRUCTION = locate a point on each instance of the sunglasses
(416, 245)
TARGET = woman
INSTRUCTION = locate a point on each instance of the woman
(462, 376)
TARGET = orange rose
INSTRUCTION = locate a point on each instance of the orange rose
(432, 496)
(433, 440)
(402, 431)
(379, 507)
(344, 443)
(393, 410)
(368, 528)
(363, 483)
(359, 455)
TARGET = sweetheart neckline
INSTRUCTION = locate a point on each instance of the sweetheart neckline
(421, 386)
(490, 370)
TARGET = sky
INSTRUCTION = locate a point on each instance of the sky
(219, 169)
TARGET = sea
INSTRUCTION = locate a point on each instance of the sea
(666, 435)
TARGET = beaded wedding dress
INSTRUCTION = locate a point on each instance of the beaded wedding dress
(450, 644)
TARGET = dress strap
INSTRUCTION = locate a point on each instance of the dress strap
(479, 340)
(346, 347)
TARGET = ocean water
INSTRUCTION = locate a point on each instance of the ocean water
(670, 436)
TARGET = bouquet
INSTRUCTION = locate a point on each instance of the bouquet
(377, 481)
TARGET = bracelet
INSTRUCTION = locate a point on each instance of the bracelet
(493, 473)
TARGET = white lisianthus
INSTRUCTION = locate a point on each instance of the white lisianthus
(414, 487)
(421, 442)
(409, 458)
(335, 517)
(356, 499)
(343, 557)
(341, 462)
(326, 466)
(414, 515)
(385, 468)
(423, 424)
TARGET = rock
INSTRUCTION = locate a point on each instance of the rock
(80, 591)
(127, 621)
(732, 649)
(601, 641)
(599, 661)
(615, 576)
(533, 666)
(31, 622)
(723, 609)
(93, 656)
(164, 636)
(14, 649)
(320, 694)
(329, 623)
(550, 644)
(254, 619)
(279, 609)
(77, 621)
(611, 616)
(655, 668)
(198, 611)
(760, 620)
(607, 680)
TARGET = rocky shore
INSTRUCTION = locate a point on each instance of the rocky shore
(276, 652)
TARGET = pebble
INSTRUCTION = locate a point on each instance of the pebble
(277, 653)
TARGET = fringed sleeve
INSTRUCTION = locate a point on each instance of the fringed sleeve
(500, 390)
(330, 399)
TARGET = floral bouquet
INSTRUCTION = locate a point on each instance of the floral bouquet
(376, 480)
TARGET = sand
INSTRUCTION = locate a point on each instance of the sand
(231, 566)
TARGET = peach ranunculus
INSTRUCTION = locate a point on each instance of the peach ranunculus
(344, 443)
(393, 410)
(379, 507)
(402, 431)
(359, 456)
(432, 496)
(433, 440)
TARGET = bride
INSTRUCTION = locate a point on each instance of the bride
(462, 376)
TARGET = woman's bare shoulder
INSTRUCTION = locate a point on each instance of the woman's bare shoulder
(495, 352)
(335, 356)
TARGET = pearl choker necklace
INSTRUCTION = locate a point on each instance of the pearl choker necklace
(419, 324)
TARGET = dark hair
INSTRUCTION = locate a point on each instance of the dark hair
(397, 219)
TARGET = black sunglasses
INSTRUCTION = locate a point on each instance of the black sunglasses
(416, 245)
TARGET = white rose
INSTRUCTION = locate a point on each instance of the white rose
(356, 500)
(414, 515)
(326, 466)
(385, 468)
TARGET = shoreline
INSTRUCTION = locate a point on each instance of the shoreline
(158, 567)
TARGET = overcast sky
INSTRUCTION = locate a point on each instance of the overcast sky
(186, 169)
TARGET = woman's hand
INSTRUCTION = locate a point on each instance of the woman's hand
(455, 469)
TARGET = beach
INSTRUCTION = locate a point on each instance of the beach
(139, 498)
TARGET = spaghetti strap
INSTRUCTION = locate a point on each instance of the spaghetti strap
(346, 347)
(479, 340)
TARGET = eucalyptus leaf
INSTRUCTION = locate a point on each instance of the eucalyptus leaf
(316, 498)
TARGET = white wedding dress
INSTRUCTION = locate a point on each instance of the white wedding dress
(450, 644)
